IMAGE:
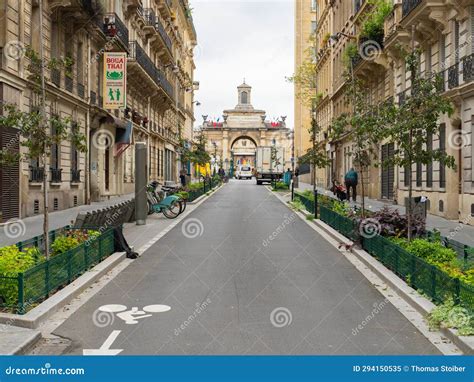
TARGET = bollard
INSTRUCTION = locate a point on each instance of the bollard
(315, 204)
(292, 190)
(141, 208)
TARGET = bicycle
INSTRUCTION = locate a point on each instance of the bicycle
(158, 201)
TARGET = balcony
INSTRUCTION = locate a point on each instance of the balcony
(75, 176)
(137, 54)
(56, 175)
(468, 68)
(36, 174)
(453, 76)
(409, 5)
(163, 34)
(114, 28)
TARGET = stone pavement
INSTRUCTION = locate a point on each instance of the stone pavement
(33, 225)
(464, 234)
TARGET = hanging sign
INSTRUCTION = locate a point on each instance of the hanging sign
(115, 80)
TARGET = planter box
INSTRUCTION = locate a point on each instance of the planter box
(20, 292)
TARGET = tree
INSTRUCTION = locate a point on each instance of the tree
(316, 155)
(411, 125)
(34, 129)
(196, 152)
(361, 126)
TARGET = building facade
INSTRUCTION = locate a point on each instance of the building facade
(233, 141)
(158, 37)
(443, 31)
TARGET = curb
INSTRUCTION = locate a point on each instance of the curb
(410, 295)
(197, 200)
(35, 317)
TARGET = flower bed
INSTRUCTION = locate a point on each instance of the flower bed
(427, 263)
(27, 277)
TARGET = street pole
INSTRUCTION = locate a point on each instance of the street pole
(140, 183)
(43, 119)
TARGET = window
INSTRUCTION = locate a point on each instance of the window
(74, 152)
(419, 174)
(314, 25)
(442, 147)
(80, 64)
(429, 166)
(314, 5)
(244, 98)
(54, 151)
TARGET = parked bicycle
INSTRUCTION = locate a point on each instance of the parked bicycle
(159, 201)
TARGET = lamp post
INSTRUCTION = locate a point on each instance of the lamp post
(214, 143)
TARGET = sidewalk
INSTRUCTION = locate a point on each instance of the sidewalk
(33, 225)
(462, 233)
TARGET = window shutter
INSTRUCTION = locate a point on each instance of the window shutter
(9, 177)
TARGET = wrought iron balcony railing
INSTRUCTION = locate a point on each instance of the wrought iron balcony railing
(80, 90)
(164, 35)
(468, 68)
(139, 55)
(453, 76)
(56, 175)
(36, 174)
(409, 5)
(68, 83)
(56, 77)
(149, 16)
(114, 27)
(75, 175)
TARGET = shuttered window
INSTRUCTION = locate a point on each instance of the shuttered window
(442, 147)
(429, 166)
(9, 177)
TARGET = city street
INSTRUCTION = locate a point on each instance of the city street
(242, 274)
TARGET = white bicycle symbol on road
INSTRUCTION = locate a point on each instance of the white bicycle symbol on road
(131, 317)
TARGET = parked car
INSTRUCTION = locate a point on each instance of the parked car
(244, 172)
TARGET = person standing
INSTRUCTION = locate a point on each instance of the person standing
(351, 179)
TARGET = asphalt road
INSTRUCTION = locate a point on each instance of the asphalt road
(232, 290)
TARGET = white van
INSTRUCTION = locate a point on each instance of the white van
(244, 172)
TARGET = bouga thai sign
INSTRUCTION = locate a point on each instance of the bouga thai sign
(115, 80)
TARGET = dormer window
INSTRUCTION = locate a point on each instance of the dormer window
(244, 98)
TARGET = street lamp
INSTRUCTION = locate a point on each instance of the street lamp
(214, 143)
(197, 103)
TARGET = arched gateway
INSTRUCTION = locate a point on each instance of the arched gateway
(234, 138)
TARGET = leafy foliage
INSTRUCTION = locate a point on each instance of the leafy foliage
(392, 223)
(197, 153)
(372, 26)
(449, 315)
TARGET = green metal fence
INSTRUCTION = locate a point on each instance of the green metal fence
(205, 187)
(342, 224)
(307, 203)
(422, 276)
(20, 292)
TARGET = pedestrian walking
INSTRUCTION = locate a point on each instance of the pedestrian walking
(351, 179)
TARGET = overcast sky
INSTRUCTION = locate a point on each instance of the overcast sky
(244, 38)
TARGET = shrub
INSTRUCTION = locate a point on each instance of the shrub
(183, 194)
(449, 315)
(393, 224)
(433, 252)
(341, 208)
(12, 262)
(63, 244)
(280, 186)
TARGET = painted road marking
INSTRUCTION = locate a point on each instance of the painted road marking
(105, 348)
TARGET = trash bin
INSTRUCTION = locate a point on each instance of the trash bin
(419, 206)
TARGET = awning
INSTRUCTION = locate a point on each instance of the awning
(123, 129)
